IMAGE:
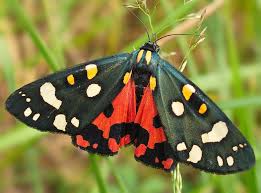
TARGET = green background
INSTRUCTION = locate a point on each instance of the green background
(38, 37)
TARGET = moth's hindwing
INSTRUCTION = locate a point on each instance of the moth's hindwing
(151, 145)
(112, 129)
(198, 131)
(69, 101)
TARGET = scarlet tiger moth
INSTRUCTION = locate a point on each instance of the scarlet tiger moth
(135, 98)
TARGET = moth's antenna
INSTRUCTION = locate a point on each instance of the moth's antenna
(177, 34)
(155, 37)
(147, 31)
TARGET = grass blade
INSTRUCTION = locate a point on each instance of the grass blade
(23, 19)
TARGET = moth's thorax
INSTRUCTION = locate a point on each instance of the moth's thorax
(145, 61)
(152, 46)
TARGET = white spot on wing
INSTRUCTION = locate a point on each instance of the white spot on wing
(28, 112)
(177, 108)
(75, 122)
(36, 117)
(60, 122)
(23, 95)
(47, 92)
(181, 146)
(28, 100)
(195, 154)
(240, 145)
(235, 148)
(93, 90)
(230, 161)
(220, 161)
(218, 132)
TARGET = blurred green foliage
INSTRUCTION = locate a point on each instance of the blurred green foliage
(37, 37)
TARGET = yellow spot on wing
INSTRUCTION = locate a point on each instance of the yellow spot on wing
(92, 70)
(152, 83)
(140, 54)
(148, 56)
(70, 79)
(126, 77)
(187, 91)
(203, 108)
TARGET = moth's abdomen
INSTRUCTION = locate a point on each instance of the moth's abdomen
(141, 81)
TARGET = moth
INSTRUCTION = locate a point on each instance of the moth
(135, 98)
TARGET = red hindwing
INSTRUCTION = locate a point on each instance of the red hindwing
(113, 127)
(151, 143)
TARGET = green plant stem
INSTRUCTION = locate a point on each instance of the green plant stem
(246, 101)
(166, 23)
(34, 171)
(54, 28)
(237, 86)
(97, 172)
(192, 66)
(117, 177)
(29, 27)
(177, 180)
(7, 64)
(17, 136)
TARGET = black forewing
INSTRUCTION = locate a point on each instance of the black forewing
(75, 107)
(231, 154)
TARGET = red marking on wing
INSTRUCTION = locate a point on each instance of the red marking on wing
(140, 150)
(125, 140)
(168, 163)
(124, 110)
(95, 146)
(156, 160)
(82, 142)
(113, 146)
(147, 111)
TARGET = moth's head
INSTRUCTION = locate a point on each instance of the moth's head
(151, 46)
